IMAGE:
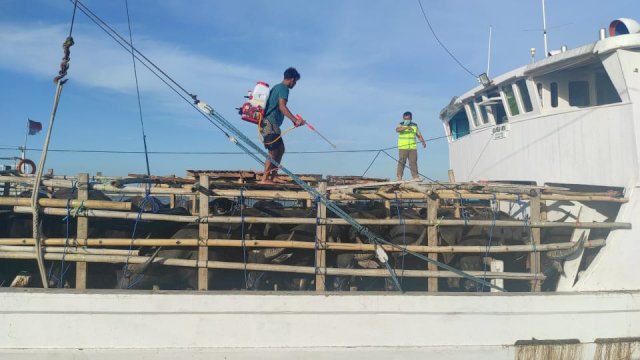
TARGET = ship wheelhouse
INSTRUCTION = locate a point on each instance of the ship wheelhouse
(549, 114)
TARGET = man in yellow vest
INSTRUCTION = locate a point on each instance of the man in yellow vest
(407, 133)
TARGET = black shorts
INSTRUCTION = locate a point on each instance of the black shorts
(276, 144)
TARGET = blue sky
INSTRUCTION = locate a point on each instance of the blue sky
(363, 63)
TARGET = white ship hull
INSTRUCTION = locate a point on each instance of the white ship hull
(139, 325)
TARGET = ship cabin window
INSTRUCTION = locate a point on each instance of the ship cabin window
(459, 125)
(495, 108)
(474, 113)
(554, 94)
(539, 87)
(606, 93)
(484, 118)
(524, 95)
(510, 96)
(579, 93)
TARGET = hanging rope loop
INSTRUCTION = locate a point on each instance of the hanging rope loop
(64, 65)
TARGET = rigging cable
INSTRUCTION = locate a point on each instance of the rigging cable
(148, 196)
(424, 14)
(135, 74)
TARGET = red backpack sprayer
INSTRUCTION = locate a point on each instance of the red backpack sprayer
(253, 110)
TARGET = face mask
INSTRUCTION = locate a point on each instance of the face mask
(406, 122)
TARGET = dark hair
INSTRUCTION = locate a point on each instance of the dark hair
(291, 73)
(407, 113)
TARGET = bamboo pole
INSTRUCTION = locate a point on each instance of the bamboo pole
(321, 240)
(117, 259)
(432, 241)
(203, 237)
(329, 221)
(82, 230)
(67, 250)
(57, 183)
(292, 244)
(62, 203)
(423, 191)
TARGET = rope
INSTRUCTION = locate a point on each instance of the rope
(125, 268)
(440, 42)
(372, 161)
(135, 74)
(463, 210)
(73, 17)
(244, 247)
(67, 219)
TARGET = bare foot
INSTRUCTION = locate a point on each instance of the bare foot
(277, 180)
(267, 181)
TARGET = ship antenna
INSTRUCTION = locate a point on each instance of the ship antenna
(544, 30)
(489, 52)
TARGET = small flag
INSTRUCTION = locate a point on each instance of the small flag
(34, 127)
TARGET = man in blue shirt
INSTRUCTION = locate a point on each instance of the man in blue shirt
(275, 111)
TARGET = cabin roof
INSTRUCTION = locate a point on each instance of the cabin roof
(547, 65)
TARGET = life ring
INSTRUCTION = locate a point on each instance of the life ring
(28, 162)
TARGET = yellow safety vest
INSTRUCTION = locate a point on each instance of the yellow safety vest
(407, 138)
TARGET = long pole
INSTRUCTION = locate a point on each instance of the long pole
(35, 209)
(489, 52)
(23, 154)
(544, 30)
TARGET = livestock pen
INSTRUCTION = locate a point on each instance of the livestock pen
(491, 231)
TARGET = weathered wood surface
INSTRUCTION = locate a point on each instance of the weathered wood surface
(330, 221)
(293, 244)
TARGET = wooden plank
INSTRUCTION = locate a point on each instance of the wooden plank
(203, 237)
(432, 240)
(82, 230)
(321, 240)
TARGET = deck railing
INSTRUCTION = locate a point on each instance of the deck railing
(433, 197)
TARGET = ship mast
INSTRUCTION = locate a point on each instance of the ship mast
(544, 30)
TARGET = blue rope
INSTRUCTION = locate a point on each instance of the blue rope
(525, 220)
(125, 268)
(404, 236)
(135, 74)
(463, 211)
(63, 271)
